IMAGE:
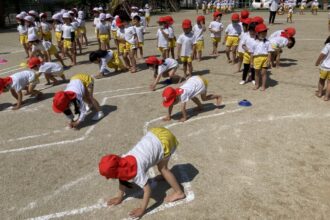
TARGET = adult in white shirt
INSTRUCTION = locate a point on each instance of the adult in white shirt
(273, 6)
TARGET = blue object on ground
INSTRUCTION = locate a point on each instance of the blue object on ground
(168, 81)
(245, 103)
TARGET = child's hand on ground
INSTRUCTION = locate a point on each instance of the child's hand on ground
(167, 118)
(152, 88)
(114, 201)
(73, 124)
(136, 213)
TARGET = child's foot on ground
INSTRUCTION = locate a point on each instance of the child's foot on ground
(47, 84)
(219, 101)
(256, 88)
(325, 98)
(230, 61)
(174, 197)
(263, 89)
(318, 94)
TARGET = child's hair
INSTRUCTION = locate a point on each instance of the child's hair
(93, 56)
(327, 40)
(293, 42)
(137, 18)
(125, 183)
(125, 17)
(252, 26)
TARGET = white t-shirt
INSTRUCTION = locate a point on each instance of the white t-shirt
(198, 32)
(45, 27)
(38, 47)
(276, 34)
(22, 30)
(67, 30)
(192, 88)
(81, 22)
(130, 35)
(139, 32)
(114, 26)
(326, 62)
(50, 67)
(121, 33)
(262, 48)
(279, 42)
(148, 153)
(187, 41)
(133, 14)
(234, 29)
(78, 88)
(147, 11)
(22, 79)
(103, 28)
(75, 24)
(96, 21)
(167, 65)
(104, 62)
(58, 27)
(162, 41)
(216, 26)
(171, 34)
(249, 42)
(241, 40)
(33, 31)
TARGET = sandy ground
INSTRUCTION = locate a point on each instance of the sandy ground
(269, 161)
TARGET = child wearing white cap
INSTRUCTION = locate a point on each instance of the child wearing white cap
(96, 21)
(103, 32)
(23, 33)
(82, 28)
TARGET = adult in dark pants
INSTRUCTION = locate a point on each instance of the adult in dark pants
(273, 6)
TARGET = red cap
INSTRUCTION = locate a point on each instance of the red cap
(162, 20)
(33, 61)
(186, 23)
(119, 22)
(169, 20)
(216, 14)
(258, 20)
(261, 28)
(201, 18)
(153, 60)
(169, 96)
(245, 14)
(115, 167)
(4, 82)
(290, 31)
(235, 17)
(62, 100)
(247, 21)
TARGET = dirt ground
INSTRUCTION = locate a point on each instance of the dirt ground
(268, 161)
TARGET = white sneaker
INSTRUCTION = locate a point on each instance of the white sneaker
(98, 116)
(242, 82)
(253, 82)
(87, 107)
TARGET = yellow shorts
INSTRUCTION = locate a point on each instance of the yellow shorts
(86, 79)
(232, 41)
(114, 34)
(39, 34)
(52, 50)
(205, 81)
(324, 74)
(240, 55)
(216, 39)
(289, 15)
(129, 47)
(48, 36)
(104, 38)
(58, 36)
(148, 19)
(186, 59)
(199, 45)
(260, 62)
(67, 43)
(82, 30)
(302, 7)
(122, 47)
(140, 44)
(23, 39)
(167, 139)
(315, 7)
(172, 43)
(246, 58)
(115, 62)
(162, 49)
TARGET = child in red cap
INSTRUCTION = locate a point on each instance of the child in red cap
(171, 36)
(261, 56)
(198, 31)
(216, 28)
(186, 44)
(163, 37)
(77, 92)
(233, 31)
(50, 69)
(324, 62)
(155, 148)
(193, 87)
(24, 80)
(162, 68)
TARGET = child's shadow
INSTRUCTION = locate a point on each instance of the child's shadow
(5, 106)
(201, 72)
(183, 172)
(285, 62)
(271, 82)
(107, 109)
(194, 112)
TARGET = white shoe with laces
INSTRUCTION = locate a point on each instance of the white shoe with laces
(242, 82)
(98, 116)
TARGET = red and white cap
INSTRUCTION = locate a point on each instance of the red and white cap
(43, 15)
(4, 82)
(29, 18)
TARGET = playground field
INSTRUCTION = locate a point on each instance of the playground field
(267, 161)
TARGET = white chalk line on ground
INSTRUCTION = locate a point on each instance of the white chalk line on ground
(13, 70)
(11, 67)
(190, 196)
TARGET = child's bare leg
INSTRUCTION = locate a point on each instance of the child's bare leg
(239, 64)
(141, 52)
(170, 178)
(73, 54)
(26, 48)
(321, 84)
(198, 103)
(218, 98)
(199, 55)
(126, 60)
(47, 77)
(86, 41)
(257, 79)
(190, 68)
(132, 60)
(79, 46)
(327, 93)
(52, 78)
(108, 45)
(185, 69)
(234, 54)
(60, 59)
(228, 54)
(264, 78)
